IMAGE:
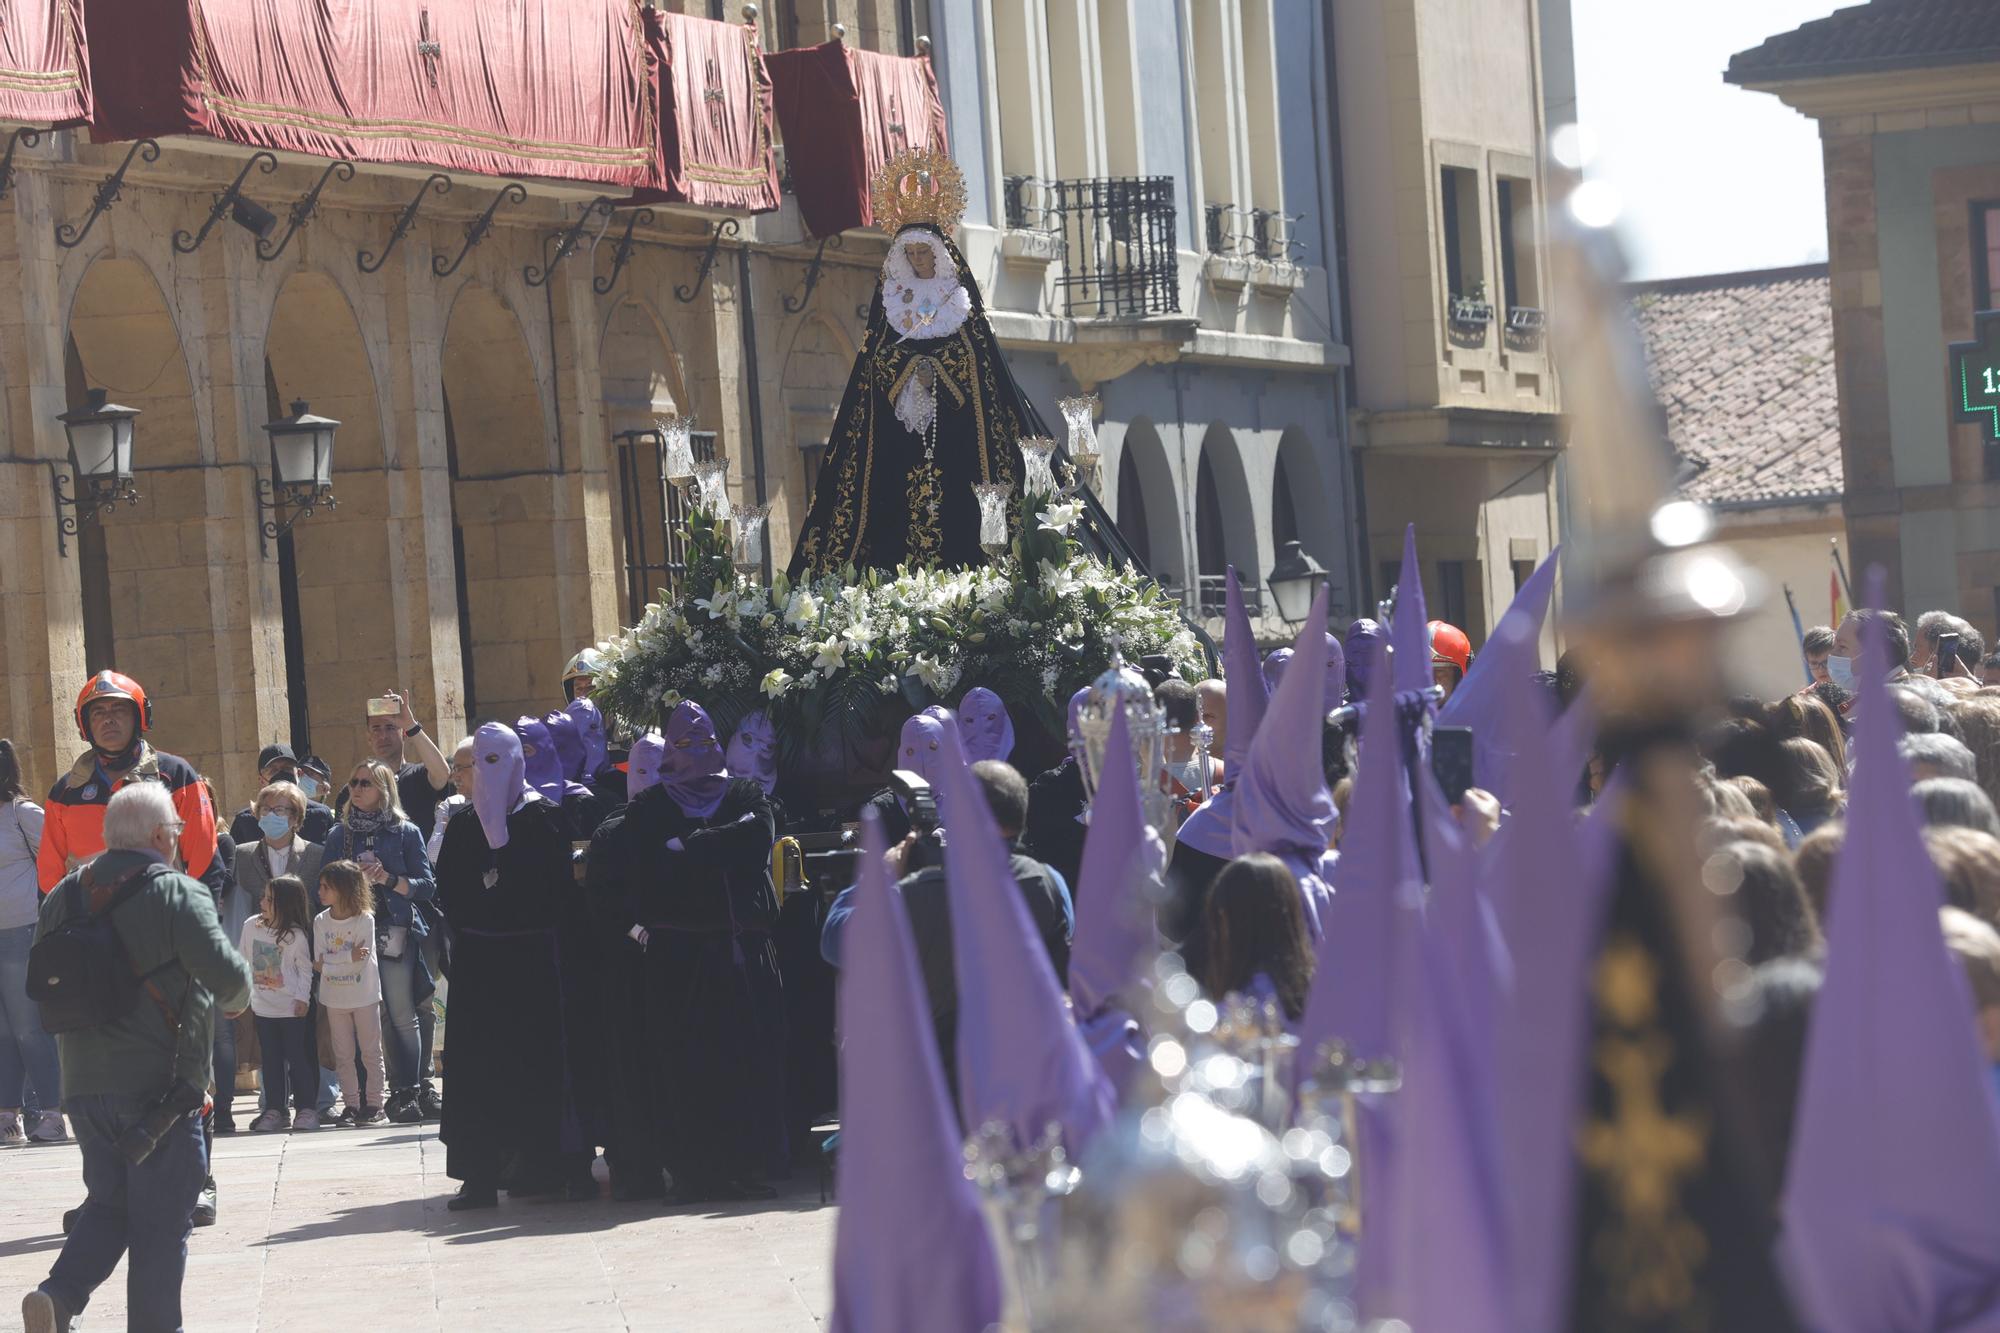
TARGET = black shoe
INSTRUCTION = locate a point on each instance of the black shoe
(69, 1219)
(204, 1208)
(469, 1197)
(345, 1120)
(428, 1101)
(223, 1123)
(403, 1109)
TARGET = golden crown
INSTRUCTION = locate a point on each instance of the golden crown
(918, 185)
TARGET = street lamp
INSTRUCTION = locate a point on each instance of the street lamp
(1294, 580)
(301, 470)
(100, 465)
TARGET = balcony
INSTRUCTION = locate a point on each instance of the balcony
(1252, 247)
(1114, 239)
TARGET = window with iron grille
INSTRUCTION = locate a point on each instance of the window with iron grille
(651, 512)
(1119, 241)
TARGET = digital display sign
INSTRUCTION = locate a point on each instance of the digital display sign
(1975, 375)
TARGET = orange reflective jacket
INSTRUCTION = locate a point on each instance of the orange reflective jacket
(73, 824)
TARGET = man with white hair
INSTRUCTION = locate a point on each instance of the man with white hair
(136, 1075)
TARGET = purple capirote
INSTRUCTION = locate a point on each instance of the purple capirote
(499, 779)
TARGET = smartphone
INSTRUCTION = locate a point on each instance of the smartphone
(384, 706)
(1946, 661)
(1451, 761)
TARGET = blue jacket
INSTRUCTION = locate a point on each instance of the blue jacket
(400, 848)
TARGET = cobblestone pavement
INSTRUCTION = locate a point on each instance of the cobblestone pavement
(347, 1230)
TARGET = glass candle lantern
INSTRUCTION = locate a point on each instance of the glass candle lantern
(676, 448)
(993, 497)
(1079, 414)
(712, 486)
(1038, 477)
(747, 524)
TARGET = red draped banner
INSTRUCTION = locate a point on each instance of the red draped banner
(44, 74)
(844, 113)
(551, 88)
(715, 115)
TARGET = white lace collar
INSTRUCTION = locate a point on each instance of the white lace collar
(923, 308)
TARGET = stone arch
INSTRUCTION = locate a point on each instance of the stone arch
(818, 364)
(507, 529)
(642, 379)
(333, 568)
(1303, 499)
(1150, 500)
(149, 594)
(1225, 518)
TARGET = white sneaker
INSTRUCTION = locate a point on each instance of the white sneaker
(48, 1127)
(11, 1135)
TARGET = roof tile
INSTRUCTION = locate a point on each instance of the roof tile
(1884, 34)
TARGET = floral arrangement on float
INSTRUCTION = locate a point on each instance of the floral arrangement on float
(846, 656)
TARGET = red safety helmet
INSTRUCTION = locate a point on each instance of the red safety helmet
(112, 685)
(1450, 647)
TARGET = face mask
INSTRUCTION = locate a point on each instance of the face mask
(274, 826)
(1840, 670)
(309, 785)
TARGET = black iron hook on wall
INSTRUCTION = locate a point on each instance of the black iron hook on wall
(366, 260)
(622, 255)
(475, 232)
(230, 200)
(726, 227)
(814, 270)
(566, 240)
(31, 137)
(302, 211)
(108, 190)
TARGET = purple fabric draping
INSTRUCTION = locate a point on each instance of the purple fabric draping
(534, 88)
(1480, 700)
(843, 114)
(714, 98)
(44, 66)
(1114, 919)
(1211, 828)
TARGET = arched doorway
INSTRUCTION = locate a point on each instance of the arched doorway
(148, 590)
(1225, 527)
(816, 372)
(641, 375)
(1148, 511)
(505, 534)
(1303, 503)
(335, 569)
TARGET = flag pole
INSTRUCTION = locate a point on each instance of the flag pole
(1799, 629)
(1840, 567)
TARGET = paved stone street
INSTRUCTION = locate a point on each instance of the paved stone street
(347, 1229)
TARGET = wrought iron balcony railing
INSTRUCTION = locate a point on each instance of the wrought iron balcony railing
(1119, 238)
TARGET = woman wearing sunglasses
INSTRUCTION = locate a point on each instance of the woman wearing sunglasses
(375, 835)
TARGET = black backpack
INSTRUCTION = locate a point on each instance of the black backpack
(79, 974)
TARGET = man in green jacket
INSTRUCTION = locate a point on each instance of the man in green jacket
(115, 1074)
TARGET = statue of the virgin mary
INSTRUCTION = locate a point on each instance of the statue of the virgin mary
(931, 409)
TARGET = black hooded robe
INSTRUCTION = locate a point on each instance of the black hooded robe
(525, 1109)
(714, 1001)
(879, 503)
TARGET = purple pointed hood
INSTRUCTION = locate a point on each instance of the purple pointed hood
(499, 778)
(1021, 1060)
(544, 763)
(1211, 828)
(693, 771)
(589, 721)
(753, 751)
(1890, 1220)
(1117, 886)
(1075, 712)
(910, 1248)
(1364, 651)
(570, 750)
(1481, 699)
(643, 765)
(1283, 805)
(984, 726)
(1409, 632)
(1354, 978)
(1273, 669)
(920, 749)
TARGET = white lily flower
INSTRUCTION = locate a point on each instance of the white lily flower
(1059, 517)
(776, 682)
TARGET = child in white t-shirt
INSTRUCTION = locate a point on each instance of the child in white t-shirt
(350, 987)
(278, 944)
